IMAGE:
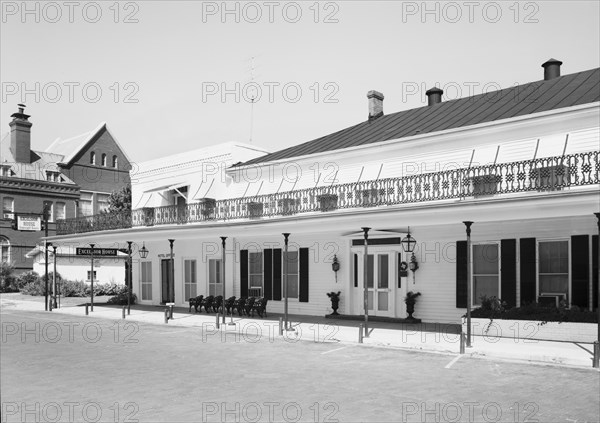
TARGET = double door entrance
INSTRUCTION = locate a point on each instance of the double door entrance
(385, 287)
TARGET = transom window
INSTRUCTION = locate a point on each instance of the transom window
(215, 287)
(146, 280)
(190, 286)
(486, 272)
(290, 262)
(255, 274)
(553, 270)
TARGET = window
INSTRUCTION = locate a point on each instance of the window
(5, 246)
(85, 204)
(92, 158)
(115, 162)
(146, 280)
(291, 263)
(5, 170)
(8, 208)
(102, 200)
(214, 277)
(255, 274)
(52, 176)
(89, 273)
(49, 206)
(486, 272)
(103, 159)
(60, 210)
(189, 267)
(553, 259)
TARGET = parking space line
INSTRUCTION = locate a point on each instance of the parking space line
(454, 360)
(337, 349)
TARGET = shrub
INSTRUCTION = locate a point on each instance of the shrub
(36, 287)
(25, 278)
(121, 299)
(538, 312)
(73, 289)
(7, 277)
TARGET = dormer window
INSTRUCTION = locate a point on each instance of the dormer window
(115, 162)
(5, 170)
(104, 160)
(92, 158)
(53, 176)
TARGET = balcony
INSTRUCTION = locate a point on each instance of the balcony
(540, 175)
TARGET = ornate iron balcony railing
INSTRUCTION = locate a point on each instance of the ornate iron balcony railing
(545, 174)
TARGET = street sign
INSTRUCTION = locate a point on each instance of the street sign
(29, 222)
(96, 251)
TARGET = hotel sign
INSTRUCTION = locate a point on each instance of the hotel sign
(29, 223)
(96, 251)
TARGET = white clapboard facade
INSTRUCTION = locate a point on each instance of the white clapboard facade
(523, 164)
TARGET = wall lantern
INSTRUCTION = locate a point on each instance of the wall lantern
(143, 251)
(413, 265)
(335, 266)
(409, 243)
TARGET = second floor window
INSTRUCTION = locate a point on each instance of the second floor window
(8, 207)
(49, 206)
(92, 158)
(60, 210)
(104, 160)
(115, 162)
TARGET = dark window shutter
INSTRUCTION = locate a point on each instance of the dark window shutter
(355, 270)
(508, 266)
(243, 273)
(268, 273)
(277, 271)
(595, 269)
(527, 267)
(461, 274)
(398, 269)
(303, 294)
(580, 270)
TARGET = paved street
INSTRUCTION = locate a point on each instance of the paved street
(71, 368)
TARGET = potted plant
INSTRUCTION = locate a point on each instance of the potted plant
(335, 302)
(410, 300)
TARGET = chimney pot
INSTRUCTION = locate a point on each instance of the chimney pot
(434, 96)
(375, 104)
(551, 69)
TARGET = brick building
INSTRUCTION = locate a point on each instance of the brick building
(73, 177)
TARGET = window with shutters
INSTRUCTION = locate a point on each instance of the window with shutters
(486, 271)
(190, 279)
(89, 276)
(146, 280)
(553, 268)
(290, 262)
(255, 274)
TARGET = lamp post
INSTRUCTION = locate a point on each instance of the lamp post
(92, 278)
(468, 228)
(129, 277)
(597, 343)
(223, 238)
(46, 244)
(54, 247)
(365, 276)
(286, 235)
(172, 282)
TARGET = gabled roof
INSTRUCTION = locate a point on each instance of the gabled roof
(71, 147)
(36, 170)
(535, 97)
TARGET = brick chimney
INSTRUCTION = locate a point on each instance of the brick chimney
(434, 96)
(20, 136)
(551, 69)
(375, 104)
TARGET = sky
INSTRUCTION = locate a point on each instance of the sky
(172, 76)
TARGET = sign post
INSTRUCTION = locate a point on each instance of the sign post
(92, 278)
(91, 252)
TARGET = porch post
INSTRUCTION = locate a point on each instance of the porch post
(365, 276)
(223, 238)
(285, 279)
(596, 362)
(172, 281)
(468, 226)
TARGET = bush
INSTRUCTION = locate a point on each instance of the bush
(73, 289)
(36, 287)
(121, 299)
(106, 289)
(537, 312)
(7, 277)
(25, 278)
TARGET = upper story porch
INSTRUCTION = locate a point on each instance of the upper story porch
(502, 180)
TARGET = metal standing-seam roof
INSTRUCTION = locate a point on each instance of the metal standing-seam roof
(534, 97)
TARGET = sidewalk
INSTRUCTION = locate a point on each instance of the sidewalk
(440, 339)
